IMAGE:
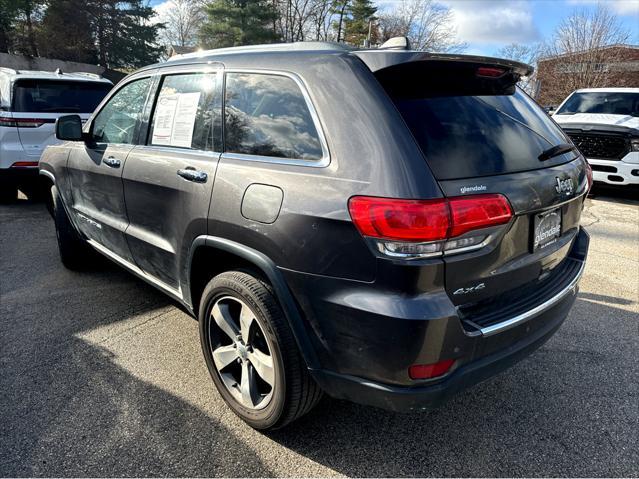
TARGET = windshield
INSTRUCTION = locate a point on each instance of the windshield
(601, 102)
(55, 96)
(470, 136)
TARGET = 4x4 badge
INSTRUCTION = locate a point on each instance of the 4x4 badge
(470, 289)
(564, 186)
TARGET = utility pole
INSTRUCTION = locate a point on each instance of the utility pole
(367, 42)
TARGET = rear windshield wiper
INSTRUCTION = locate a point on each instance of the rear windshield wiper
(556, 151)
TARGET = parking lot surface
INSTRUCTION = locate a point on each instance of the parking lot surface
(101, 375)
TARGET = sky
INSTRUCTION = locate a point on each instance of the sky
(487, 25)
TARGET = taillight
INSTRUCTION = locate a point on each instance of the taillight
(422, 228)
(589, 175)
(429, 371)
(24, 164)
(24, 122)
(411, 220)
(474, 212)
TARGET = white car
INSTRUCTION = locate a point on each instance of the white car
(604, 124)
(30, 103)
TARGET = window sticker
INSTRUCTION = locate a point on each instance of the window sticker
(175, 119)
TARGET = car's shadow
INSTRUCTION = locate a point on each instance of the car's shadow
(70, 406)
(67, 406)
(565, 411)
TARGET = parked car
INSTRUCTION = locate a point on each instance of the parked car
(30, 102)
(386, 226)
(604, 124)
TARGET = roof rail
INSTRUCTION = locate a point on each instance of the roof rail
(9, 71)
(272, 47)
(87, 74)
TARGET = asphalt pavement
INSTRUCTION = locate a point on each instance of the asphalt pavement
(101, 375)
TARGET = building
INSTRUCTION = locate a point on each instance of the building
(612, 66)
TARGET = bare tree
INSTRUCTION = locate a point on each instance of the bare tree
(581, 52)
(525, 54)
(428, 25)
(181, 19)
(520, 52)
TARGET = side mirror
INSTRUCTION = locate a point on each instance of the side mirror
(69, 128)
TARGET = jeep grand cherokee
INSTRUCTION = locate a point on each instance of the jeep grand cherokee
(386, 226)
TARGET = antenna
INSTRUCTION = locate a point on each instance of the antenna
(396, 43)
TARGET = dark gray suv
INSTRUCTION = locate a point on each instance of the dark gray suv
(387, 226)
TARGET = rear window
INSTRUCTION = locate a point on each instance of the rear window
(54, 96)
(601, 102)
(267, 115)
(469, 127)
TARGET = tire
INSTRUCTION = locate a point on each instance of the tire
(74, 251)
(293, 392)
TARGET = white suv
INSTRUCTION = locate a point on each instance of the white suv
(30, 102)
(604, 124)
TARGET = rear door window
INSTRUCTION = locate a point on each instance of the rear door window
(267, 115)
(53, 96)
(185, 112)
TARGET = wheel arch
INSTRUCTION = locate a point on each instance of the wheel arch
(48, 181)
(211, 255)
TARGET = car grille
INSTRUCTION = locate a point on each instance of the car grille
(515, 302)
(600, 145)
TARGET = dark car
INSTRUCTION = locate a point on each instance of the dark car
(386, 226)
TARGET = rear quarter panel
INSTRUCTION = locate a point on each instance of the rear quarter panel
(371, 153)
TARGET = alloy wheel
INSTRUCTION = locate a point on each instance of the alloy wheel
(241, 353)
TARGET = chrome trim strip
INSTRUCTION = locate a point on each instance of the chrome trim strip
(174, 293)
(512, 322)
(326, 156)
(48, 174)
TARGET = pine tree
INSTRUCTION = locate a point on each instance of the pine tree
(238, 22)
(8, 14)
(65, 32)
(361, 14)
(124, 35)
(340, 8)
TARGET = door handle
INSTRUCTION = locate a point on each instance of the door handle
(112, 162)
(191, 174)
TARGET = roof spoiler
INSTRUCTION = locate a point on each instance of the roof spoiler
(392, 56)
(410, 74)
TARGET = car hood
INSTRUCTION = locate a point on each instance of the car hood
(579, 119)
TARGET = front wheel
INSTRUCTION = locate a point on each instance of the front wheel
(251, 352)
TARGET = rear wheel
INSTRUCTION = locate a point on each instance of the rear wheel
(74, 251)
(251, 352)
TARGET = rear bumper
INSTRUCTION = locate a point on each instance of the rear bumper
(406, 399)
(367, 339)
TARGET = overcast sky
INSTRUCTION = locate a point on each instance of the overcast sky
(487, 25)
